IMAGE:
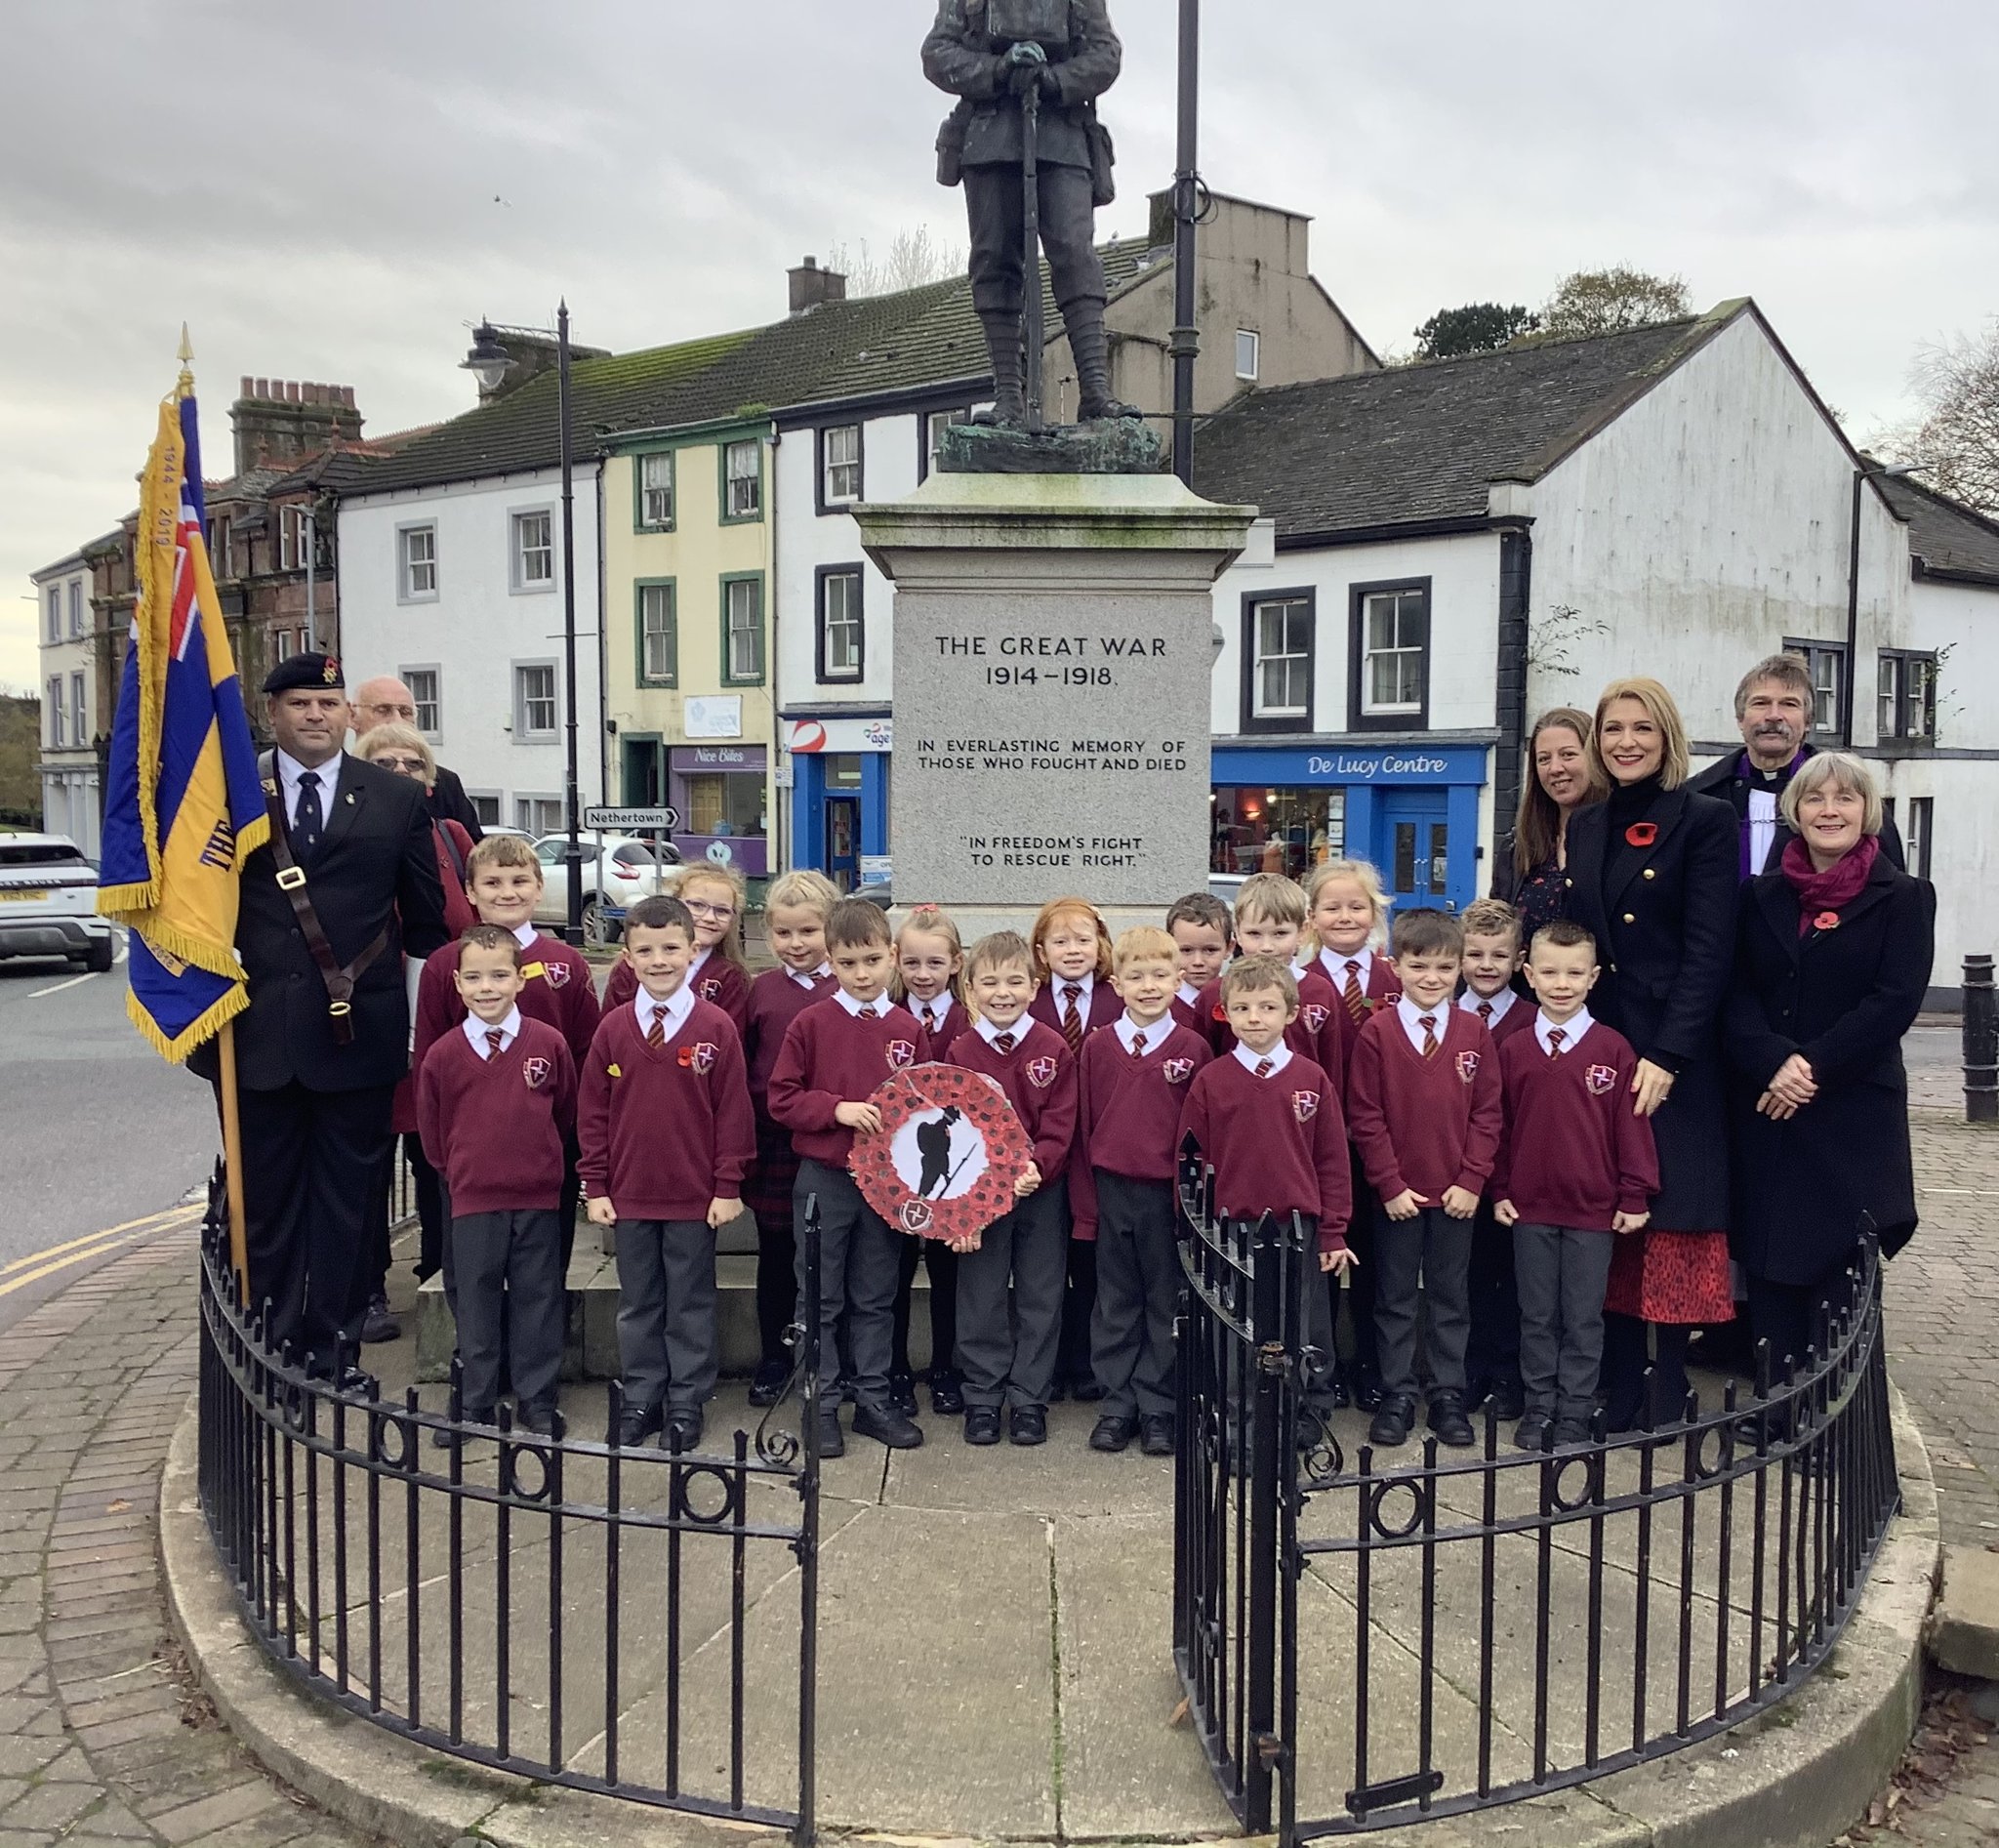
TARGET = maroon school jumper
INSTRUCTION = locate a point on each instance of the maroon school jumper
(1187, 1014)
(1519, 1018)
(1312, 1035)
(830, 1057)
(1038, 1078)
(1104, 1007)
(1381, 990)
(494, 1127)
(776, 999)
(1574, 1152)
(951, 1020)
(1425, 1124)
(557, 986)
(718, 981)
(1278, 1143)
(1128, 1110)
(664, 1131)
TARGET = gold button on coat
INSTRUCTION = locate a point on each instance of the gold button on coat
(1630, 918)
(1650, 874)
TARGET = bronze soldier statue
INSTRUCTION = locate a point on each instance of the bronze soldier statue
(1027, 74)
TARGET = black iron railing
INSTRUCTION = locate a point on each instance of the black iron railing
(629, 1620)
(1380, 1644)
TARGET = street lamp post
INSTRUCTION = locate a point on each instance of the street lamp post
(1868, 471)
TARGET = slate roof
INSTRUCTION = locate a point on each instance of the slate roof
(875, 344)
(1419, 444)
(1945, 537)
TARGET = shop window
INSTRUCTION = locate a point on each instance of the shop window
(1279, 655)
(1389, 656)
(1826, 663)
(1907, 696)
(842, 771)
(724, 804)
(1287, 831)
(841, 633)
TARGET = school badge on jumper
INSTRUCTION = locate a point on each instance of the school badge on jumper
(949, 1150)
(557, 974)
(1467, 1066)
(699, 1058)
(1304, 1105)
(711, 988)
(1315, 1017)
(1176, 1071)
(1040, 1072)
(901, 1054)
(536, 1071)
(1599, 1079)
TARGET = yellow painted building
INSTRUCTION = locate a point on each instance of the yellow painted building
(687, 634)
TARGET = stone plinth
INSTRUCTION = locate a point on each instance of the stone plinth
(1053, 651)
(1112, 445)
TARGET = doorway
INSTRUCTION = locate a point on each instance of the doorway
(1412, 846)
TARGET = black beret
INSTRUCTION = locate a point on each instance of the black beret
(304, 670)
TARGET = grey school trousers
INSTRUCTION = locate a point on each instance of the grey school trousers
(860, 1268)
(1006, 1349)
(512, 1304)
(1561, 1275)
(1138, 1296)
(1431, 1256)
(666, 1338)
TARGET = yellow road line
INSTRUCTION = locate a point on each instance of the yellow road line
(62, 1263)
(166, 1218)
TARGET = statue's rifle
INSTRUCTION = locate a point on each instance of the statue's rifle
(1031, 268)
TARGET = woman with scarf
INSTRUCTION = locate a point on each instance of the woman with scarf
(1832, 959)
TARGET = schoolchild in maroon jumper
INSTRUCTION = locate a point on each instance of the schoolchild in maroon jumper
(1576, 1166)
(1423, 1103)
(1072, 949)
(496, 1100)
(834, 1055)
(1006, 1349)
(1200, 927)
(667, 1137)
(1131, 1083)
(930, 973)
(1268, 1122)
(503, 882)
(714, 899)
(1492, 1355)
(1270, 921)
(794, 910)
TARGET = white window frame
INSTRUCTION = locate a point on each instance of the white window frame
(521, 553)
(752, 482)
(488, 805)
(221, 547)
(656, 497)
(54, 612)
(1403, 652)
(525, 817)
(1823, 659)
(842, 642)
(935, 424)
(57, 713)
(523, 700)
(1906, 683)
(1249, 354)
(1295, 655)
(408, 567)
(79, 708)
(75, 608)
(662, 599)
(409, 677)
(840, 483)
(731, 589)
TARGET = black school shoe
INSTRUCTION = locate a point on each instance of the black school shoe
(684, 1427)
(541, 1421)
(1532, 1432)
(1572, 1434)
(1112, 1432)
(1156, 1434)
(946, 1393)
(380, 1323)
(441, 1438)
(1449, 1421)
(1392, 1422)
(1027, 1425)
(1087, 1390)
(767, 1383)
(636, 1423)
(832, 1441)
(1508, 1400)
(981, 1424)
(888, 1425)
(902, 1394)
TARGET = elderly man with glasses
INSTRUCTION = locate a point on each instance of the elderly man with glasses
(387, 701)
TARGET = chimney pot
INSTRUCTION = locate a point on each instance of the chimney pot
(812, 286)
(291, 391)
(245, 391)
(262, 390)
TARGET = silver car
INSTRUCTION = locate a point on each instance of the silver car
(48, 902)
(617, 871)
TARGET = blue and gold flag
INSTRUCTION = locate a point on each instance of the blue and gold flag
(183, 803)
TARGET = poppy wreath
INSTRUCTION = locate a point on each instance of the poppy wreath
(1642, 833)
(981, 1104)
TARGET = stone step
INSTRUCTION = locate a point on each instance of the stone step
(1964, 1625)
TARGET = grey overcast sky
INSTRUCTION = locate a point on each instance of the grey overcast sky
(313, 188)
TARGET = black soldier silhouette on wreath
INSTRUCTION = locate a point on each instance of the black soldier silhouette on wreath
(945, 1160)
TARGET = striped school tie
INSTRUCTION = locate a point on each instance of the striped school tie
(1072, 1015)
(1356, 1002)
(656, 1034)
(1486, 1012)
(1138, 1045)
(1556, 1040)
(1004, 1042)
(495, 1039)
(1264, 1067)
(1429, 1025)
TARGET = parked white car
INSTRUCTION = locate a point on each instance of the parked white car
(617, 872)
(47, 901)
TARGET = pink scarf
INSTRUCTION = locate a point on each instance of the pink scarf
(1824, 895)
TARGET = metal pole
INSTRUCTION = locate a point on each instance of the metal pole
(1981, 1041)
(1846, 724)
(1031, 268)
(311, 526)
(1259, 1698)
(572, 852)
(1184, 344)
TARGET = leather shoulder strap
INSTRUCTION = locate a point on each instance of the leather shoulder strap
(291, 881)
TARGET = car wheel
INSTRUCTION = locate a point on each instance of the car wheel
(596, 927)
(103, 951)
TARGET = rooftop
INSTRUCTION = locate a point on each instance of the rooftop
(1947, 538)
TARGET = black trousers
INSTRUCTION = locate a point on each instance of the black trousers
(1365, 1366)
(431, 1219)
(1491, 1357)
(1625, 1359)
(1078, 1308)
(996, 206)
(1788, 1316)
(941, 1261)
(310, 1159)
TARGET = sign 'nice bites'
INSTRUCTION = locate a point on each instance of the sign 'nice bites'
(1053, 645)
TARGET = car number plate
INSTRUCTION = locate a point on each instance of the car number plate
(22, 892)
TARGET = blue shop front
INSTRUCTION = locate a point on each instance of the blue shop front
(1411, 809)
(839, 770)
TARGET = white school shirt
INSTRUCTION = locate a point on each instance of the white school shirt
(475, 1031)
(1413, 1019)
(1128, 1031)
(1336, 966)
(1572, 1030)
(809, 978)
(989, 1032)
(1501, 1005)
(673, 1010)
(1279, 1056)
(877, 1007)
(942, 1006)
(1187, 994)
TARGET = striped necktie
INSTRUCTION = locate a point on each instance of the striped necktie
(1486, 1012)
(1071, 1014)
(1138, 1045)
(656, 1034)
(495, 1039)
(1356, 1002)
(1004, 1042)
(1264, 1067)
(1556, 1040)
(1428, 1023)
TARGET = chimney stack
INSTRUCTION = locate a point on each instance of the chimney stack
(280, 422)
(812, 287)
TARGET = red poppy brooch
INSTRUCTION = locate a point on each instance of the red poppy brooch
(1826, 921)
(1642, 833)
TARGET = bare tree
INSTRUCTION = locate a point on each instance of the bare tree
(1956, 436)
(913, 258)
(1609, 301)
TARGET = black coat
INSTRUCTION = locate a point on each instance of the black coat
(450, 803)
(1724, 780)
(1841, 998)
(377, 866)
(1664, 920)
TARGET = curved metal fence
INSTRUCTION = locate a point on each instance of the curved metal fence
(1381, 1642)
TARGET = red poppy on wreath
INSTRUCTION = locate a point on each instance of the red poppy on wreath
(949, 1148)
(1826, 921)
(1642, 833)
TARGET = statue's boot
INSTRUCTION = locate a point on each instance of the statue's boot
(1009, 371)
(1091, 347)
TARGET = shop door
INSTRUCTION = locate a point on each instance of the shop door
(1412, 846)
(843, 840)
(643, 785)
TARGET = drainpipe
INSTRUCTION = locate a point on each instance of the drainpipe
(1516, 574)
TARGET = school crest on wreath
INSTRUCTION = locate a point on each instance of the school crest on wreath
(536, 1071)
(901, 1054)
(700, 1057)
(949, 1150)
(1599, 1079)
(1176, 1071)
(1315, 1015)
(1467, 1066)
(1304, 1105)
(1040, 1072)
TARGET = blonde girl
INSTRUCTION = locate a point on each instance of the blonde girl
(929, 975)
(715, 897)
